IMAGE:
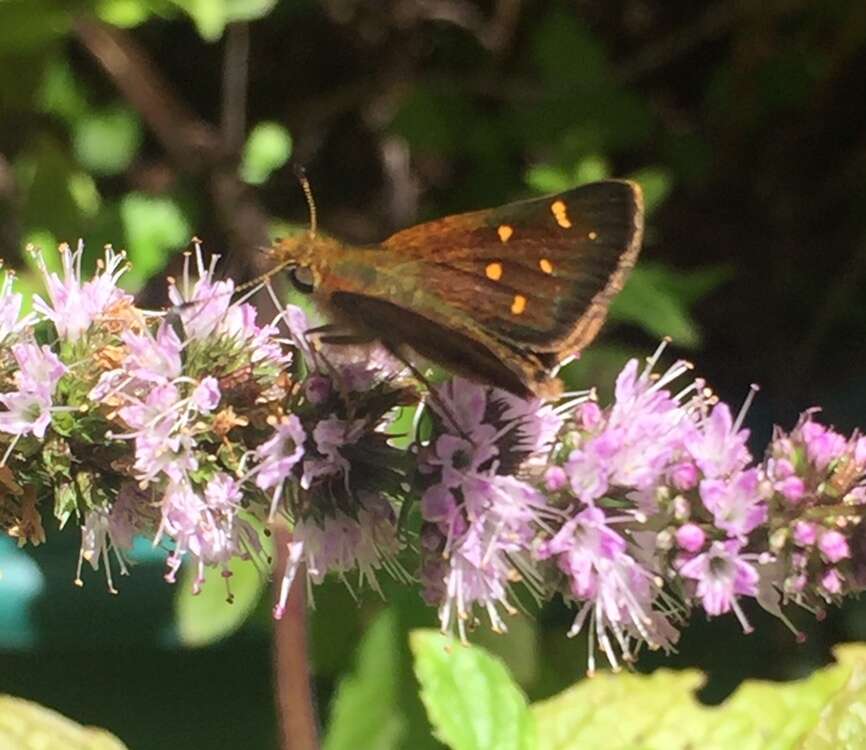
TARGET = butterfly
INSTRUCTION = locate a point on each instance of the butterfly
(503, 296)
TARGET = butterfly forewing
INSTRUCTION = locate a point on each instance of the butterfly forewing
(503, 294)
(538, 272)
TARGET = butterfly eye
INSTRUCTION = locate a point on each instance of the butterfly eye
(302, 279)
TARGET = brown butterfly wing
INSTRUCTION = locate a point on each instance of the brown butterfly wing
(518, 288)
(538, 273)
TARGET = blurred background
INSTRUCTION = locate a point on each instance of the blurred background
(144, 122)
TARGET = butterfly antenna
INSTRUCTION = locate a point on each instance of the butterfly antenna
(308, 194)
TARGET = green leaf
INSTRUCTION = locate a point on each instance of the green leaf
(24, 724)
(154, 228)
(212, 16)
(842, 723)
(60, 92)
(590, 169)
(106, 142)
(365, 710)
(28, 27)
(207, 617)
(657, 298)
(267, 149)
(660, 712)
(435, 122)
(123, 13)
(470, 698)
(545, 178)
(656, 183)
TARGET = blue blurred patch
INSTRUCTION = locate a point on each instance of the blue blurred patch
(21, 583)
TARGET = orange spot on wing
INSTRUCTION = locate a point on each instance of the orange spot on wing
(519, 304)
(560, 213)
(505, 232)
(545, 265)
(493, 271)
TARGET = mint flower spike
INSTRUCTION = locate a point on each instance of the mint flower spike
(638, 512)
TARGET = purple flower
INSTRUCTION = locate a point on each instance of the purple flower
(10, 310)
(823, 445)
(279, 455)
(26, 413)
(719, 445)
(805, 533)
(239, 324)
(28, 410)
(458, 458)
(330, 435)
(832, 582)
(39, 369)
(206, 525)
(632, 444)
(153, 359)
(611, 587)
(131, 513)
(690, 537)
(466, 403)
(791, 488)
(203, 305)
(723, 575)
(833, 546)
(75, 306)
(206, 395)
(342, 543)
(536, 424)
(737, 504)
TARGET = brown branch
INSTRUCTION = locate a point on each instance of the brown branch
(295, 707)
(190, 141)
(236, 59)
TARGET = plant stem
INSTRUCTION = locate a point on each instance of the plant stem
(296, 711)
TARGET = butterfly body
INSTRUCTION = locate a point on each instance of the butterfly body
(502, 295)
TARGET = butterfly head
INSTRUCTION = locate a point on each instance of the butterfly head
(306, 258)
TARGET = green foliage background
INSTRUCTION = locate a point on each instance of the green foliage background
(743, 121)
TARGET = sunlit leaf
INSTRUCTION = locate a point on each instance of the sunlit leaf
(544, 178)
(123, 13)
(660, 712)
(590, 169)
(470, 697)
(207, 617)
(212, 16)
(268, 147)
(82, 188)
(365, 711)
(25, 725)
(61, 93)
(154, 228)
(106, 142)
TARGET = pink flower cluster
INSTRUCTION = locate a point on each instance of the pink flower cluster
(199, 426)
